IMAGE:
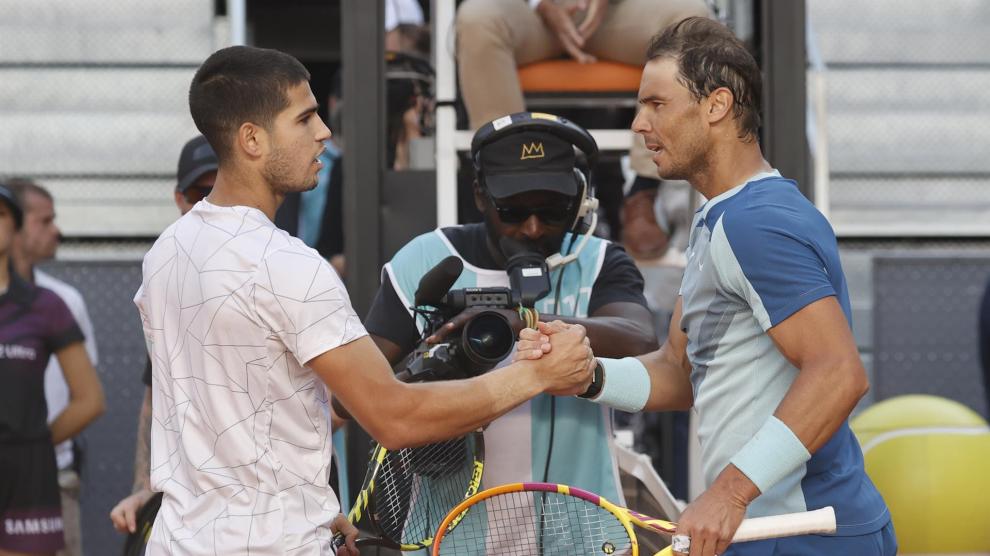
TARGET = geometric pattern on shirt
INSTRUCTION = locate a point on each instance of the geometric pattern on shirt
(232, 306)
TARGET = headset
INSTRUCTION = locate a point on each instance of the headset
(564, 129)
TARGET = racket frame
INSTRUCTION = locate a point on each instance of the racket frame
(821, 521)
(363, 501)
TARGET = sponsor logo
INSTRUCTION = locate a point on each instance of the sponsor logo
(33, 526)
(14, 351)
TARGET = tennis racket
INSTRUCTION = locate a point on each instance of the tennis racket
(550, 519)
(138, 540)
(406, 493)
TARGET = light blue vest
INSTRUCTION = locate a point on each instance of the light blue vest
(582, 437)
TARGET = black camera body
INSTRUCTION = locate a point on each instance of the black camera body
(484, 340)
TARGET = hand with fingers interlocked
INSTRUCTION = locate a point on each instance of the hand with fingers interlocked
(558, 341)
(572, 36)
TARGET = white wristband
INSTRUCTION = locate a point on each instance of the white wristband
(772, 454)
(627, 384)
(534, 3)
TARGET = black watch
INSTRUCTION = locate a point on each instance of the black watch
(597, 383)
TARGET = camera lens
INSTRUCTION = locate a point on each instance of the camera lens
(488, 339)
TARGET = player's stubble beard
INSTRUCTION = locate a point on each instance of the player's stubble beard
(277, 171)
(696, 161)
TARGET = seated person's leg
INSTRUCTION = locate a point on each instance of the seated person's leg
(492, 37)
(630, 24)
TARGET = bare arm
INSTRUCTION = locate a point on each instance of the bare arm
(831, 379)
(85, 393)
(399, 415)
(670, 370)
(392, 351)
(617, 330)
(124, 514)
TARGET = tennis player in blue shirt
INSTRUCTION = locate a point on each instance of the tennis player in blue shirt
(760, 343)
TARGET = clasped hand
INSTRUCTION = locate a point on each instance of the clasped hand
(557, 346)
(559, 18)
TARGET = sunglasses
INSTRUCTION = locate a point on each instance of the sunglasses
(553, 215)
(196, 194)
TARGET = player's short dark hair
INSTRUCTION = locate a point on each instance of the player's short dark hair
(241, 84)
(709, 56)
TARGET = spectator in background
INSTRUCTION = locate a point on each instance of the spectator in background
(409, 106)
(34, 324)
(194, 180)
(494, 37)
(196, 173)
(405, 29)
(36, 243)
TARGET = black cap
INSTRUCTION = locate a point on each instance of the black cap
(10, 200)
(530, 160)
(197, 158)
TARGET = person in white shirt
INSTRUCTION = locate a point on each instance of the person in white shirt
(249, 331)
(35, 243)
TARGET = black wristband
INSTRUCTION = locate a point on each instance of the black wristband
(597, 383)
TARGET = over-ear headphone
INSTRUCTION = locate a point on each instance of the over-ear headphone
(547, 123)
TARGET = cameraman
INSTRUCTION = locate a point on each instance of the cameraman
(529, 192)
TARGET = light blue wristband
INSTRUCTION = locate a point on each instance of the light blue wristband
(772, 454)
(627, 384)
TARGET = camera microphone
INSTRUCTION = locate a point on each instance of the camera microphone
(435, 284)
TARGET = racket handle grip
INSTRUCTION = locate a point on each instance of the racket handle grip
(786, 525)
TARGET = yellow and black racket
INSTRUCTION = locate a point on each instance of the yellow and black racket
(549, 519)
(407, 493)
(145, 519)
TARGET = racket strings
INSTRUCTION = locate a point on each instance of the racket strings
(416, 487)
(537, 524)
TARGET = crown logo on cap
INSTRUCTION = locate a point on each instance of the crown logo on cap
(532, 150)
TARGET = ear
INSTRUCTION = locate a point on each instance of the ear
(252, 140)
(720, 103)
